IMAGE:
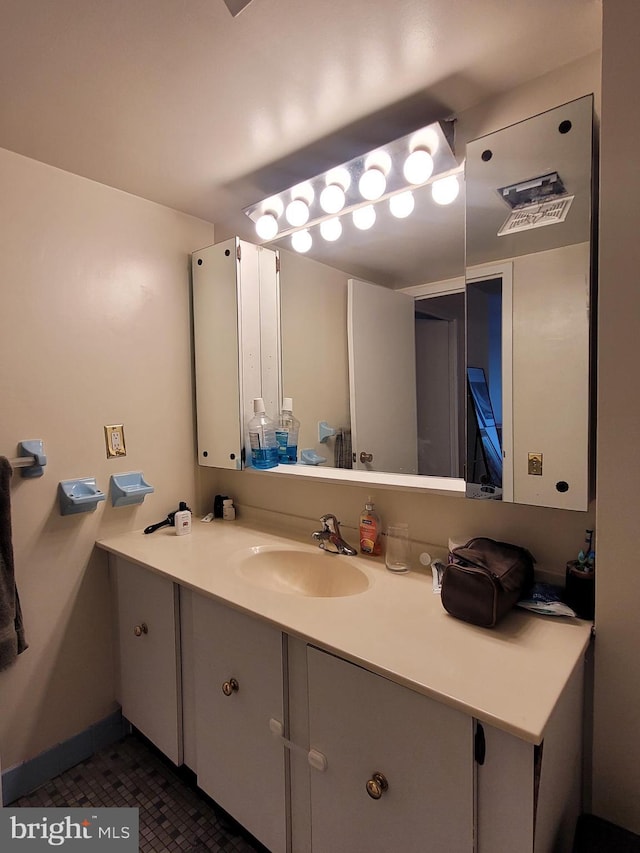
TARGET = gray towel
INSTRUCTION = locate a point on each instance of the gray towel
(12, 641)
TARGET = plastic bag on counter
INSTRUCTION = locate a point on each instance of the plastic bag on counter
(547, 599)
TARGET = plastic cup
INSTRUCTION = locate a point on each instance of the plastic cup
(397, 556)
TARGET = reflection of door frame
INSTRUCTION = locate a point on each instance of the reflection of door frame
(504, 271)
(429, 291)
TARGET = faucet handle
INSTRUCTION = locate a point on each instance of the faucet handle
(330, 522)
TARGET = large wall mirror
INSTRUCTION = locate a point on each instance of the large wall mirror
(375, 327)
(449, 350)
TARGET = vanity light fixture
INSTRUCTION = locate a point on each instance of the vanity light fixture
(391, 170)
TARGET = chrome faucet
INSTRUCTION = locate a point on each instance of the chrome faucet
(330, 539)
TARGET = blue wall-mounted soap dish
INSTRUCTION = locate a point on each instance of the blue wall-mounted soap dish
(81, 495)
(129, 489)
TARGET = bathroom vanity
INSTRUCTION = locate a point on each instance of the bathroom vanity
(329, 705)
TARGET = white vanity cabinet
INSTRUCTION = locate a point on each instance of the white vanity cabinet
(239, 690)
(296, 742)
(374, 733)
(148, 640)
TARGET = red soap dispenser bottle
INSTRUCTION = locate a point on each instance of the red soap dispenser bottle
(370, 530)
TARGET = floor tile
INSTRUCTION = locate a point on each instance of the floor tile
(175, 817)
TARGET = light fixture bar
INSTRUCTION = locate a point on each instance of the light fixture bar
(384, 176)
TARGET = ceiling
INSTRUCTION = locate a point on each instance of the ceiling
(179, 102)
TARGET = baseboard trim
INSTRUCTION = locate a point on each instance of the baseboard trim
(26, 777)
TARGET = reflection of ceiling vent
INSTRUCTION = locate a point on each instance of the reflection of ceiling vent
(536, 215)
(536, 202)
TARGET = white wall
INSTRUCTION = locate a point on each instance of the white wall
(94, 329)
(616, 790)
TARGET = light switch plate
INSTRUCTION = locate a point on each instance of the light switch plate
(534, 464)
(114, 438)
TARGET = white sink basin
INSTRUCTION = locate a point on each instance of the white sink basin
(300, 572)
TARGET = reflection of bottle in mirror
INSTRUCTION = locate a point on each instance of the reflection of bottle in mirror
(287, 434)
(262, 437)
(370, 530)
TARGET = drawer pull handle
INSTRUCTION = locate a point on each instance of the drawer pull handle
(366, 458)
(377, 785)
(141, 629)
(229, 687)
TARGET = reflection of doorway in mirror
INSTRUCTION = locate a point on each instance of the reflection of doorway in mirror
(439, 324)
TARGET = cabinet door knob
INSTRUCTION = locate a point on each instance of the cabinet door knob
(141, 629)
(366, 457)
(229, 687)
(377, 785)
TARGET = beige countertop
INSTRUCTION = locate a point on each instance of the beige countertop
(510, 677)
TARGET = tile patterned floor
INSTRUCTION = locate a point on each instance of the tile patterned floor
(174, 816)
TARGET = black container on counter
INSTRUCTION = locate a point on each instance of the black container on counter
(580, 589)
(217, 505)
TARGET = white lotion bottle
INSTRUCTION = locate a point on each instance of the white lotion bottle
(182, 520)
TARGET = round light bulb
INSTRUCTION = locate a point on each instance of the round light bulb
(364, 217)
(445, 190)
(267, 226)
(297, 212)
(372, 184)
(332, 198)
(402, 205)
(418, 166)
(301, 241)
(331, 229)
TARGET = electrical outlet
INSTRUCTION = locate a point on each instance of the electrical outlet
(114, 437)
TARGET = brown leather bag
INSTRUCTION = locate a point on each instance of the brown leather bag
(484, 579)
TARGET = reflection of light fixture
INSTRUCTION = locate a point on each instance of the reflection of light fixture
(384, 173)
(402, 205)
(331, 229)
(301, 241)
(364, 217)
(445, 190)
